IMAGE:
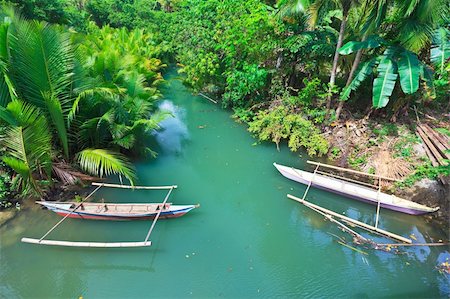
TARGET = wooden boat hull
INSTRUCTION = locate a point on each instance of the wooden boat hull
(355, 191)
(110, 214)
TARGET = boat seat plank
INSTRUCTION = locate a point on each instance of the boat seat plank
(86, 244)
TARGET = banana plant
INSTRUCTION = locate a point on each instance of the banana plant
(395, 62)
(440, 49)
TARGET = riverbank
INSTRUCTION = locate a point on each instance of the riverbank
(394, 150)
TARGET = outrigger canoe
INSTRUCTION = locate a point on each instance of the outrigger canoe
(113, 211)
(354, 191)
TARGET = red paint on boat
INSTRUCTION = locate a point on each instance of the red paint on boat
(118, 218)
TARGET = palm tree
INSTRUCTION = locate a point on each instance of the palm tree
(27, 141)
(417, 21)
(315, 10)
(414, 22)
(345, 6)
(38, 66)
(42, 71)
(372, 14)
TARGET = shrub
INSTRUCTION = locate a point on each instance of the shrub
(280, 123)
(244, 85)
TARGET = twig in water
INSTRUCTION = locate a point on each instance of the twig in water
(353, 248)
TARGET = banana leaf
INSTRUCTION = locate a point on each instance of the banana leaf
(363, 72)
(370, 42)
(409, 71)
(440, 49)
(384, 84)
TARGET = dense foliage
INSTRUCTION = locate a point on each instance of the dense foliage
(67, 97)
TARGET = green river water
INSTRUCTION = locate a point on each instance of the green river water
(246, 240)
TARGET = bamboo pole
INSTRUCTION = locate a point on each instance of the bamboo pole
(208, 98)
(426, 139)
(437, 136)
(435, 140)
(416, 244)
(344, 227)
(347, 179)
(135, 187)
(157, 215)
(430, 155)
(87, 244)
(47, 233)
(353, 171)
(362, 225)
(378, 203)
(310, 182)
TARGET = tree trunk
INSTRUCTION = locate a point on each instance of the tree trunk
(336, 58)
(350, 77)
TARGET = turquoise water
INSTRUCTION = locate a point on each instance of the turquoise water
(246, 240)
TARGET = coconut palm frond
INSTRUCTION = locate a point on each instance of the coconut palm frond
(43, 70)
(28, 146)
(102, 162)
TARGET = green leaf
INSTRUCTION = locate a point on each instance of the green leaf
(363, 72)
(409, 71)
(6, 116)
(371, 42)
(102, 162)
(43, 70)
(384, 84)
(4, 41)
(440, 49)
(426, 73)
(54, 109)
(28, 145)
(350, 47)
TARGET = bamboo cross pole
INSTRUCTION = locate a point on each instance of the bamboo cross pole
(135, 187)
(79, 205)
(353, 171)
(157, 215)
(310, 182)
(347, 179)
(349, 220)
(378, 203)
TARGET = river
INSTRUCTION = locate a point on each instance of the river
(246, 240)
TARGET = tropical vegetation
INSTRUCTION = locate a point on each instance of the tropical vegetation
(73, 101)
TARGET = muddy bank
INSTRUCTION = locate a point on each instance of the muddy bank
(59, 192)
(6, 215)
(431, 193)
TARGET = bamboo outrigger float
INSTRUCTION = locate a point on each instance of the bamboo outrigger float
(109, 211)
(351, 221)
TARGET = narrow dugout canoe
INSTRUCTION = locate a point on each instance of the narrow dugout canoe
(355, 191)
(113, 211)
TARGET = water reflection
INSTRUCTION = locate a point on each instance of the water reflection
(173, 129)
(444, 279)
